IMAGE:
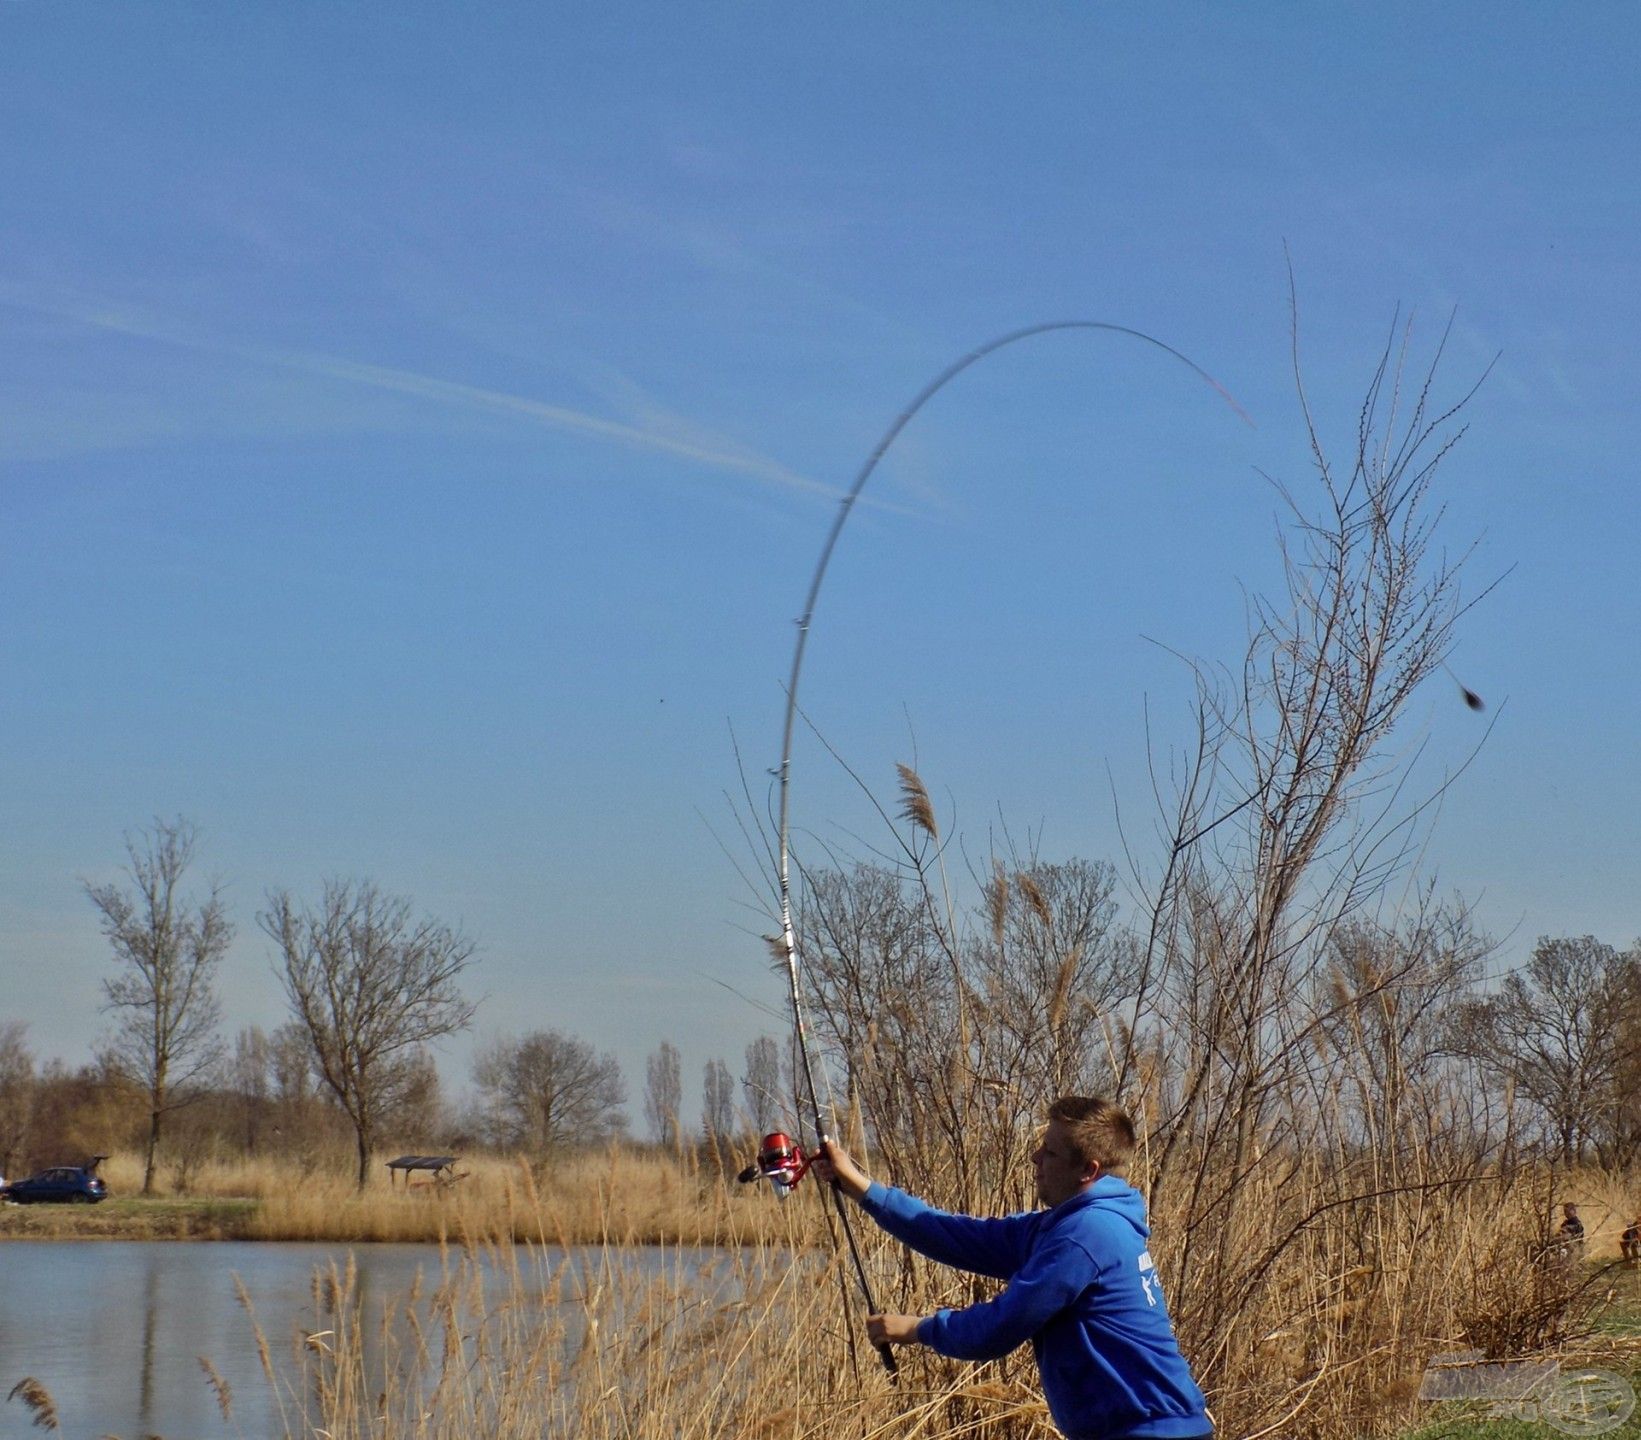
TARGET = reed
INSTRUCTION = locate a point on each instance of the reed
(620, 1195)
(757, 1334)
(754, 1340)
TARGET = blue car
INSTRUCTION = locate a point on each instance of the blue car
(62, 1185)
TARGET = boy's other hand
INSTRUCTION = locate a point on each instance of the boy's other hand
(892, 1329)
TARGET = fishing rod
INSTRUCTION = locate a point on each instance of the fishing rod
(788, 939)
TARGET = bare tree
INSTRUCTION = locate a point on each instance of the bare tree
(664, 1093)
(370, 984)
(1625, 1146)
(1561, 1030)
(248, 1075)
(290, 1064)
(550, 1090)
(416, 1106)
(1291, 811)
(761, 1085)
(17, 1090)
(1049, 971)
(169, 949)
(717, 1101)
(1386, 1000)
(880, 968)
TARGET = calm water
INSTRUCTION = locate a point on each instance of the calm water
(114, 1330)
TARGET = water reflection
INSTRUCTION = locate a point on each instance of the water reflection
(150, 1325)
(115, 1330)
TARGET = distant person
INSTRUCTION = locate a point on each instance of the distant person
(1629, 1243)
(1572, 1228)
(1080, 1285)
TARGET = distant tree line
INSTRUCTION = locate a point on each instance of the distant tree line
(539, 1095)
(370, 986)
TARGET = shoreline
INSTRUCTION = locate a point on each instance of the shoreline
(255, 1220)
(163, 1218)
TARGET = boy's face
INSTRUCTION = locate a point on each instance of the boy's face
(1060, 1175)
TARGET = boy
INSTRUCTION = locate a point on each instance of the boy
(1080, 1282)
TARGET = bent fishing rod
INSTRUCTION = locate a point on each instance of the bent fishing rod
(788, 939)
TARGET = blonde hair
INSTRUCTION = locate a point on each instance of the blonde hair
(1100, 1132)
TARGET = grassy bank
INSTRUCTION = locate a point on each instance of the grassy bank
(166, 1218)
(621, 1197)
(1612, 1347)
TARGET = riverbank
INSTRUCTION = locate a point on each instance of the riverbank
(167, 1218)
(619, 1196)
(376, 1219)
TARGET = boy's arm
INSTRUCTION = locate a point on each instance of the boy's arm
(984, 1247)
(1048, 1283)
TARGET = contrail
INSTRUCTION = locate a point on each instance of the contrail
(429, 387)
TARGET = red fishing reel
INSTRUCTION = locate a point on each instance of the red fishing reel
(781, 1161)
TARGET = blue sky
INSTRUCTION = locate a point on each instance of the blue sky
(417, 428)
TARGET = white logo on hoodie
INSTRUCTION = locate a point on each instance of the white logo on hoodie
(1148, 1277)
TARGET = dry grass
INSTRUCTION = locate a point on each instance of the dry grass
(620, 1196)
(751, 1344)
(1334, 1340)
(617, 1197)
(1329, 1343)
(759, 1343)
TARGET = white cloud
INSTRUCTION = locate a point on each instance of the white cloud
(659, 434)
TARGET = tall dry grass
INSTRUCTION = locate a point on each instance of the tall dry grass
(617, 1197)
(509, 1343)
(1332, 1202)
(763, 1339)
(620, 1195)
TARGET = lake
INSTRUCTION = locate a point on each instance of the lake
(114, 1330)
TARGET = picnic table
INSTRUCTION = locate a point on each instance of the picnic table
(442, 1167)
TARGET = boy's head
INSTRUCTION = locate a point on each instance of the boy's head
(1098, 1132)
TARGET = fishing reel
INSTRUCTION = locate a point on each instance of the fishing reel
(781, 1161)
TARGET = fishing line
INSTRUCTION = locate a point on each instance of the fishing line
(788, 940)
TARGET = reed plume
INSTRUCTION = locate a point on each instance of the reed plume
(997, 901)
(915, 805)
(38, 1400)
(1034, 898)
(219, 1387)
(1060, 996)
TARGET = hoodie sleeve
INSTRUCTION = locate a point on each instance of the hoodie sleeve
(1055, 1275)
(984, 1247)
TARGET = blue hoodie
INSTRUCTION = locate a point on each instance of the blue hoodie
(1082, 1288)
